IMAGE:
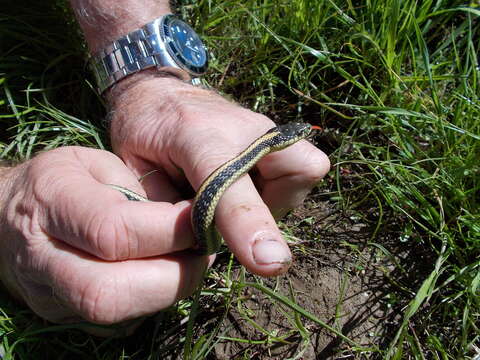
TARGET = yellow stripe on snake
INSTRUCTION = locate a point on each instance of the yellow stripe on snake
(212, 189)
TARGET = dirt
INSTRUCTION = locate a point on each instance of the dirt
(339, 276)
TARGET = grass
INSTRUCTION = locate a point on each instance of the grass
(395, 85)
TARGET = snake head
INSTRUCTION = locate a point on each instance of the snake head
(294, 130)
(288, 134)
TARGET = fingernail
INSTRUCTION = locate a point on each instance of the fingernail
(268, 251)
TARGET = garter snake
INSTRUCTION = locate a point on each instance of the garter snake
(213, 187)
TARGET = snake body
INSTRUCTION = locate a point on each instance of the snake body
(212, 189)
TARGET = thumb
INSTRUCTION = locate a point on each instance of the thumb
(82, 211)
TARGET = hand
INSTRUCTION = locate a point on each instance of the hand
(184, 133)
(63, 233)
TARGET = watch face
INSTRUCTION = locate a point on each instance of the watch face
(185, 46)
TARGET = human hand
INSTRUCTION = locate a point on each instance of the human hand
(185, 132)
(75, 249)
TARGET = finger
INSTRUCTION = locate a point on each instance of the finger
(292, 172)
(241, 216)
(93, 217)
(154, 179)
(250, 230)
(154, 182)
(101, 221)
(109, 292)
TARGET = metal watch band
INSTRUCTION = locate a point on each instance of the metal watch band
(138, 50)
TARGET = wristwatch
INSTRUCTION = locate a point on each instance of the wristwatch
(167, 43)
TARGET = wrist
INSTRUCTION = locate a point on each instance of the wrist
(134, 82)
(151, 86)
(104, 21)
(8, 175)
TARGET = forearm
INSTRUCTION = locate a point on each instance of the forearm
(104, 21)
(8, 174)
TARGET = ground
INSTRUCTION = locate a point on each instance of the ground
(338, 275)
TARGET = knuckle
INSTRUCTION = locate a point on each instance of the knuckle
(42, 172)
(108, 237)
(265, 121)
(211, 161)
(208, 158)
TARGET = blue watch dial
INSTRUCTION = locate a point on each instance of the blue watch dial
(185, 46)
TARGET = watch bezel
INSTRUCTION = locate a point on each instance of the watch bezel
(175, 53)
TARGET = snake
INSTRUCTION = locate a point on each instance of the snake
(208, 240)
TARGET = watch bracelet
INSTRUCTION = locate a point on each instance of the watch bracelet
(138, 50)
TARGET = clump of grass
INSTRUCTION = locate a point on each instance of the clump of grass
(395, 85)
(46, 99)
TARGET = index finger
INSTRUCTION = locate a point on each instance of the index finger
(241, 215)
(250, 230)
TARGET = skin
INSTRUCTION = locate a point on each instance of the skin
(74, 249)
(63, 236)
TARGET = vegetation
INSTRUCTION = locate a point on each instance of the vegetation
(395, 86)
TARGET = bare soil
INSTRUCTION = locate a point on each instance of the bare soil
(341, 276)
